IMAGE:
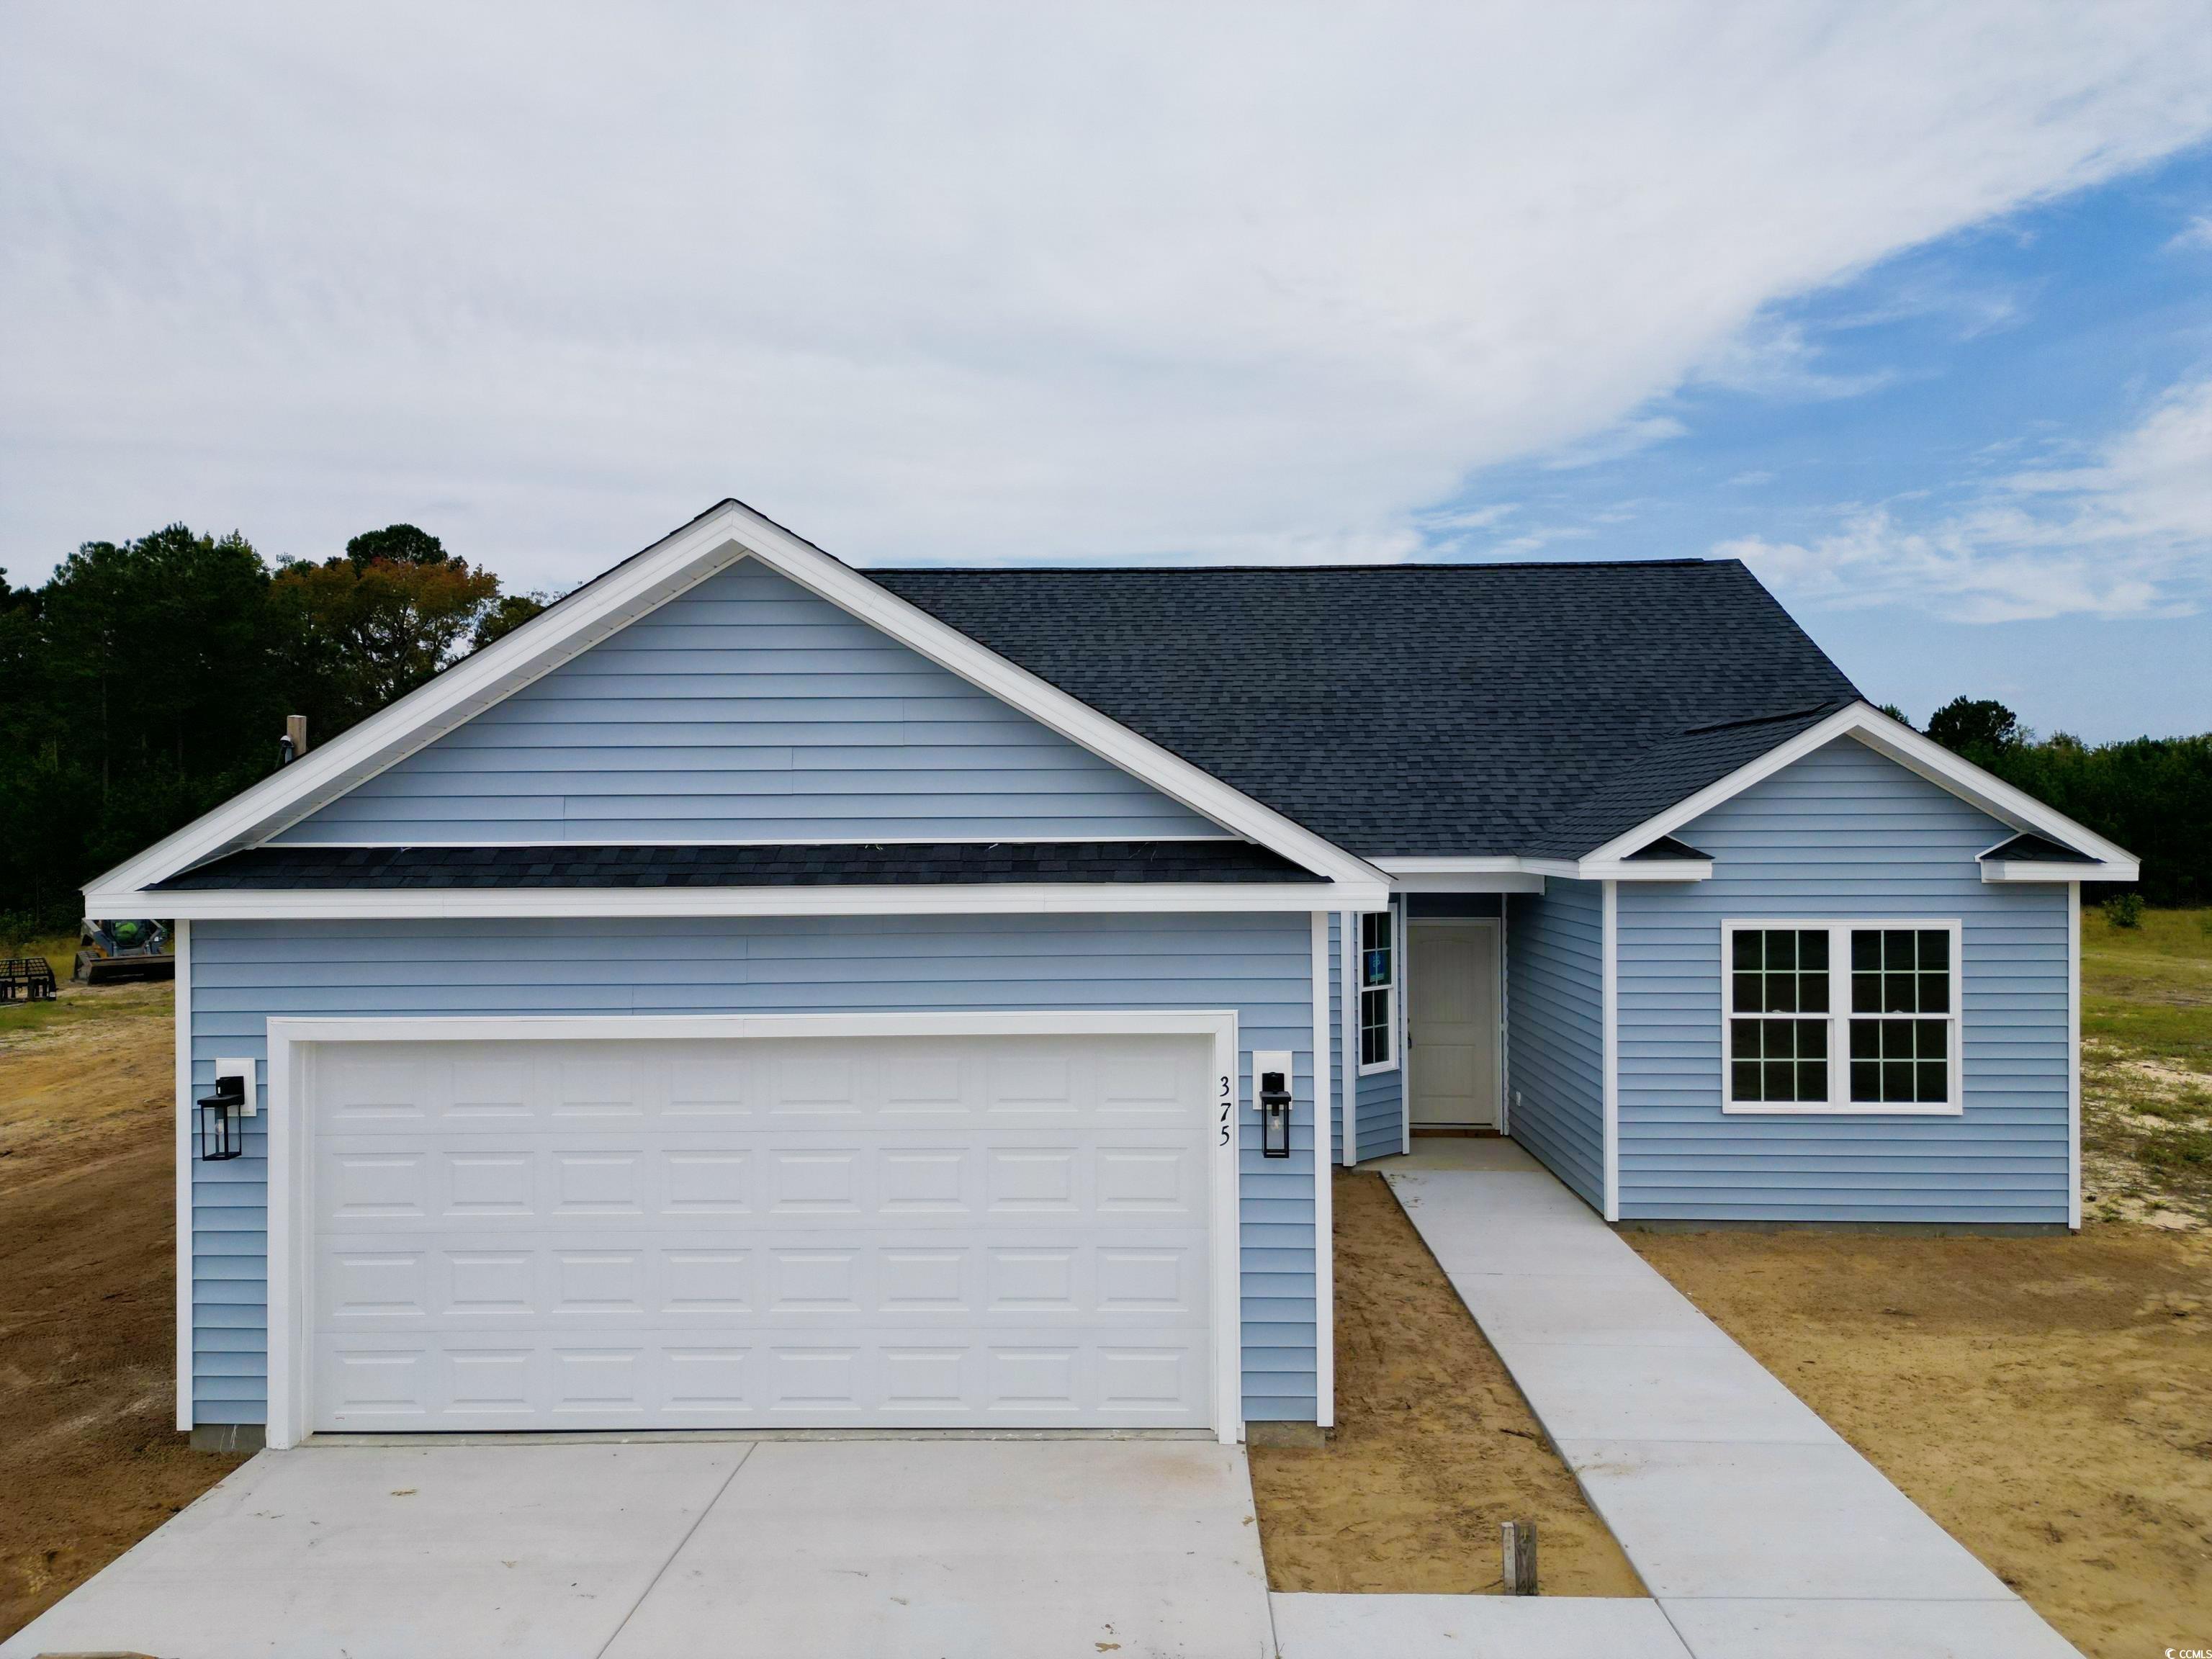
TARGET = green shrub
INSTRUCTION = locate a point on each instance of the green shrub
(2125, 909)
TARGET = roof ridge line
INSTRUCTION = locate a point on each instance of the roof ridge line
(1246, 569)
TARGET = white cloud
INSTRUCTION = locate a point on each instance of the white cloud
(956, 282)
(1612, 444)
(1773, 359)
(2197, 232)
(2127, 532)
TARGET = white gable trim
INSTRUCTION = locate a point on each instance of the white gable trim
(709, 544)
(1897, 742)
(844, 899)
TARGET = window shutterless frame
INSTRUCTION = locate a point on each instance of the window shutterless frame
(1375, 963)
(1853, 1015)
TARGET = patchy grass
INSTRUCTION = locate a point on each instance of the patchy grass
(17, 1018)
(2149, 988)
(2146, 1068)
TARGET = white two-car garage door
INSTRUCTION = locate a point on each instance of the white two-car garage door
(876, 1231)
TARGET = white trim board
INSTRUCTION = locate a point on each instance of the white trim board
(1348, 1044)
(186, 1155)
(2074, 1055)
(1402, 1012)
(1609, 1042)
(710, 543)
(1472, 875)
(1895, 741)
(291, 1161)
(856, 899)
(1324, 1206)
(2071, 874)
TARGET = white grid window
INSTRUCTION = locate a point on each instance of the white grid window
(1841, 1016)
(1378, 992)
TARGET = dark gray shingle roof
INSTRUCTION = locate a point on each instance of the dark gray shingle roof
(293, 868)
(1403, 710)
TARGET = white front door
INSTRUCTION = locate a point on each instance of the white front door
(974, 1231)
(1452, 1023)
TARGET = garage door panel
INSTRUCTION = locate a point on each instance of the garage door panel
(458, 1279)
(375, 1088)
(892, 1232)
(661, 1377)
(920, 1177)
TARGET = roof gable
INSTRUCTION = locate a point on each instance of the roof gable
(1997, 800)
(747, 710)
(709, 544)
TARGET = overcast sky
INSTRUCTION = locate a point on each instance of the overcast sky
(1910, 306)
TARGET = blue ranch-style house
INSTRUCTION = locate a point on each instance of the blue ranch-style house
(763, 993)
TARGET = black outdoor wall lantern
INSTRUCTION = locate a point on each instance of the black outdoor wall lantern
(1274, 1114)
(222, 1125)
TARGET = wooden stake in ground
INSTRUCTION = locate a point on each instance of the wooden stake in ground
(1519, 1539)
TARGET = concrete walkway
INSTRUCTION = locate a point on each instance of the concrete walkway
(1760, 1532)
(894, 1549)
(1316, 1626)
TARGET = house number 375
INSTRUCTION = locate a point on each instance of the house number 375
(1228, 1108)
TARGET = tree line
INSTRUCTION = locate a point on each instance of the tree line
(149, 680)
(2153, 795)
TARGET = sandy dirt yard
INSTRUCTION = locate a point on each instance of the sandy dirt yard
(1434, 1445)
(91, 1460)
(2049, 1400)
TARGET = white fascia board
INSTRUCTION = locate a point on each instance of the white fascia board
(884, 899)
(1895, 741)
(1425, 865)
(1479, 883)
(708, 545)
(2013, 870)
(1646, 870)
(1490, 874)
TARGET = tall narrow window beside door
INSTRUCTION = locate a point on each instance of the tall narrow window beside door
(1378, 993)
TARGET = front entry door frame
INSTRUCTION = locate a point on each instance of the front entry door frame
(1416, 928)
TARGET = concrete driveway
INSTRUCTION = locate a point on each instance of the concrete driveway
(705, 1549)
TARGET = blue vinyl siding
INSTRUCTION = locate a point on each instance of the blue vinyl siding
(1844, 833)
(1260, 966)
(1382, 1124)
(1554, 1030)
(749, 709)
